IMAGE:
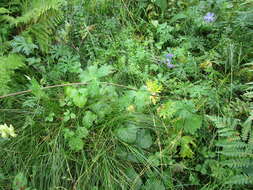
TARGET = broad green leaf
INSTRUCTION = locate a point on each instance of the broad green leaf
(154, 160)
(80, 100)
(89, 74)
(134, 179)
(75, 143)
(136, 156)
(104, 71)
(70, 91)
(93, 73)
(190, 124)
(101, 109)
(88, 119)
(144, 139)
(93, 89)
(127, 134)
(82, 132)
(79, 96)
(153, 184)
(68, 133)
(162, 4)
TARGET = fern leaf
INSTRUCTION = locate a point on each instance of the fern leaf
(238, 163)
(7, 66)
(240, 180)
(246, 128)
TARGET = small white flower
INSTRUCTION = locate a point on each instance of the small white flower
(6, 131)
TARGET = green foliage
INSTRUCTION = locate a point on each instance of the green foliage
(236, 148)
(75, 138)
(79, 96)
(93, 73)
(115, 94)
(37, 21)
(19, 182)
(8, 64)
(20, 45)
(183, 115)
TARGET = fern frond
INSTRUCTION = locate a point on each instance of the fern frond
(250, 141)
(247, 128)
(240, 180)
(39, 20)
(36, 9)
(238, 153)
(238, 163)
(7, 66)
(229, 144)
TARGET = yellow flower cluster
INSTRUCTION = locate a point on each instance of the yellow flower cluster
(205, 65)
(154, 88)
(6, 131)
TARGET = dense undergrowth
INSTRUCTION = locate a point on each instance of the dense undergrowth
(126, 94)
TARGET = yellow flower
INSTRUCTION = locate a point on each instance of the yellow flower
(206, 64)
(154, 88)
(154, 99)
(131, 108)
(6, 131)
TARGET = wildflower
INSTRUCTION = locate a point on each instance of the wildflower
(205, 65)
(131, 108)
(168, 60)
(169, 55)
(6, 131)
(209, 17)
(169, 65)
(154, 88)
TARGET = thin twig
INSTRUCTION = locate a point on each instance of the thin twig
(63, 85)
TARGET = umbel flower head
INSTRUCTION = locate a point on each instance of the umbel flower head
(6, 131)
(209, 17)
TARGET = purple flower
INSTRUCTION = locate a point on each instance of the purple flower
(169, 55)
(169, 65)
(168, 60)
(209, 17)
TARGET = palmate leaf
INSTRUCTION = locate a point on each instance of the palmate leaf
(93, 73)
(22, 45)
(76, 143)
(88, 119)
(189, 124)
(184, 114)
(78, 96)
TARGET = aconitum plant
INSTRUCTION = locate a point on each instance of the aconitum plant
(168, 60)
